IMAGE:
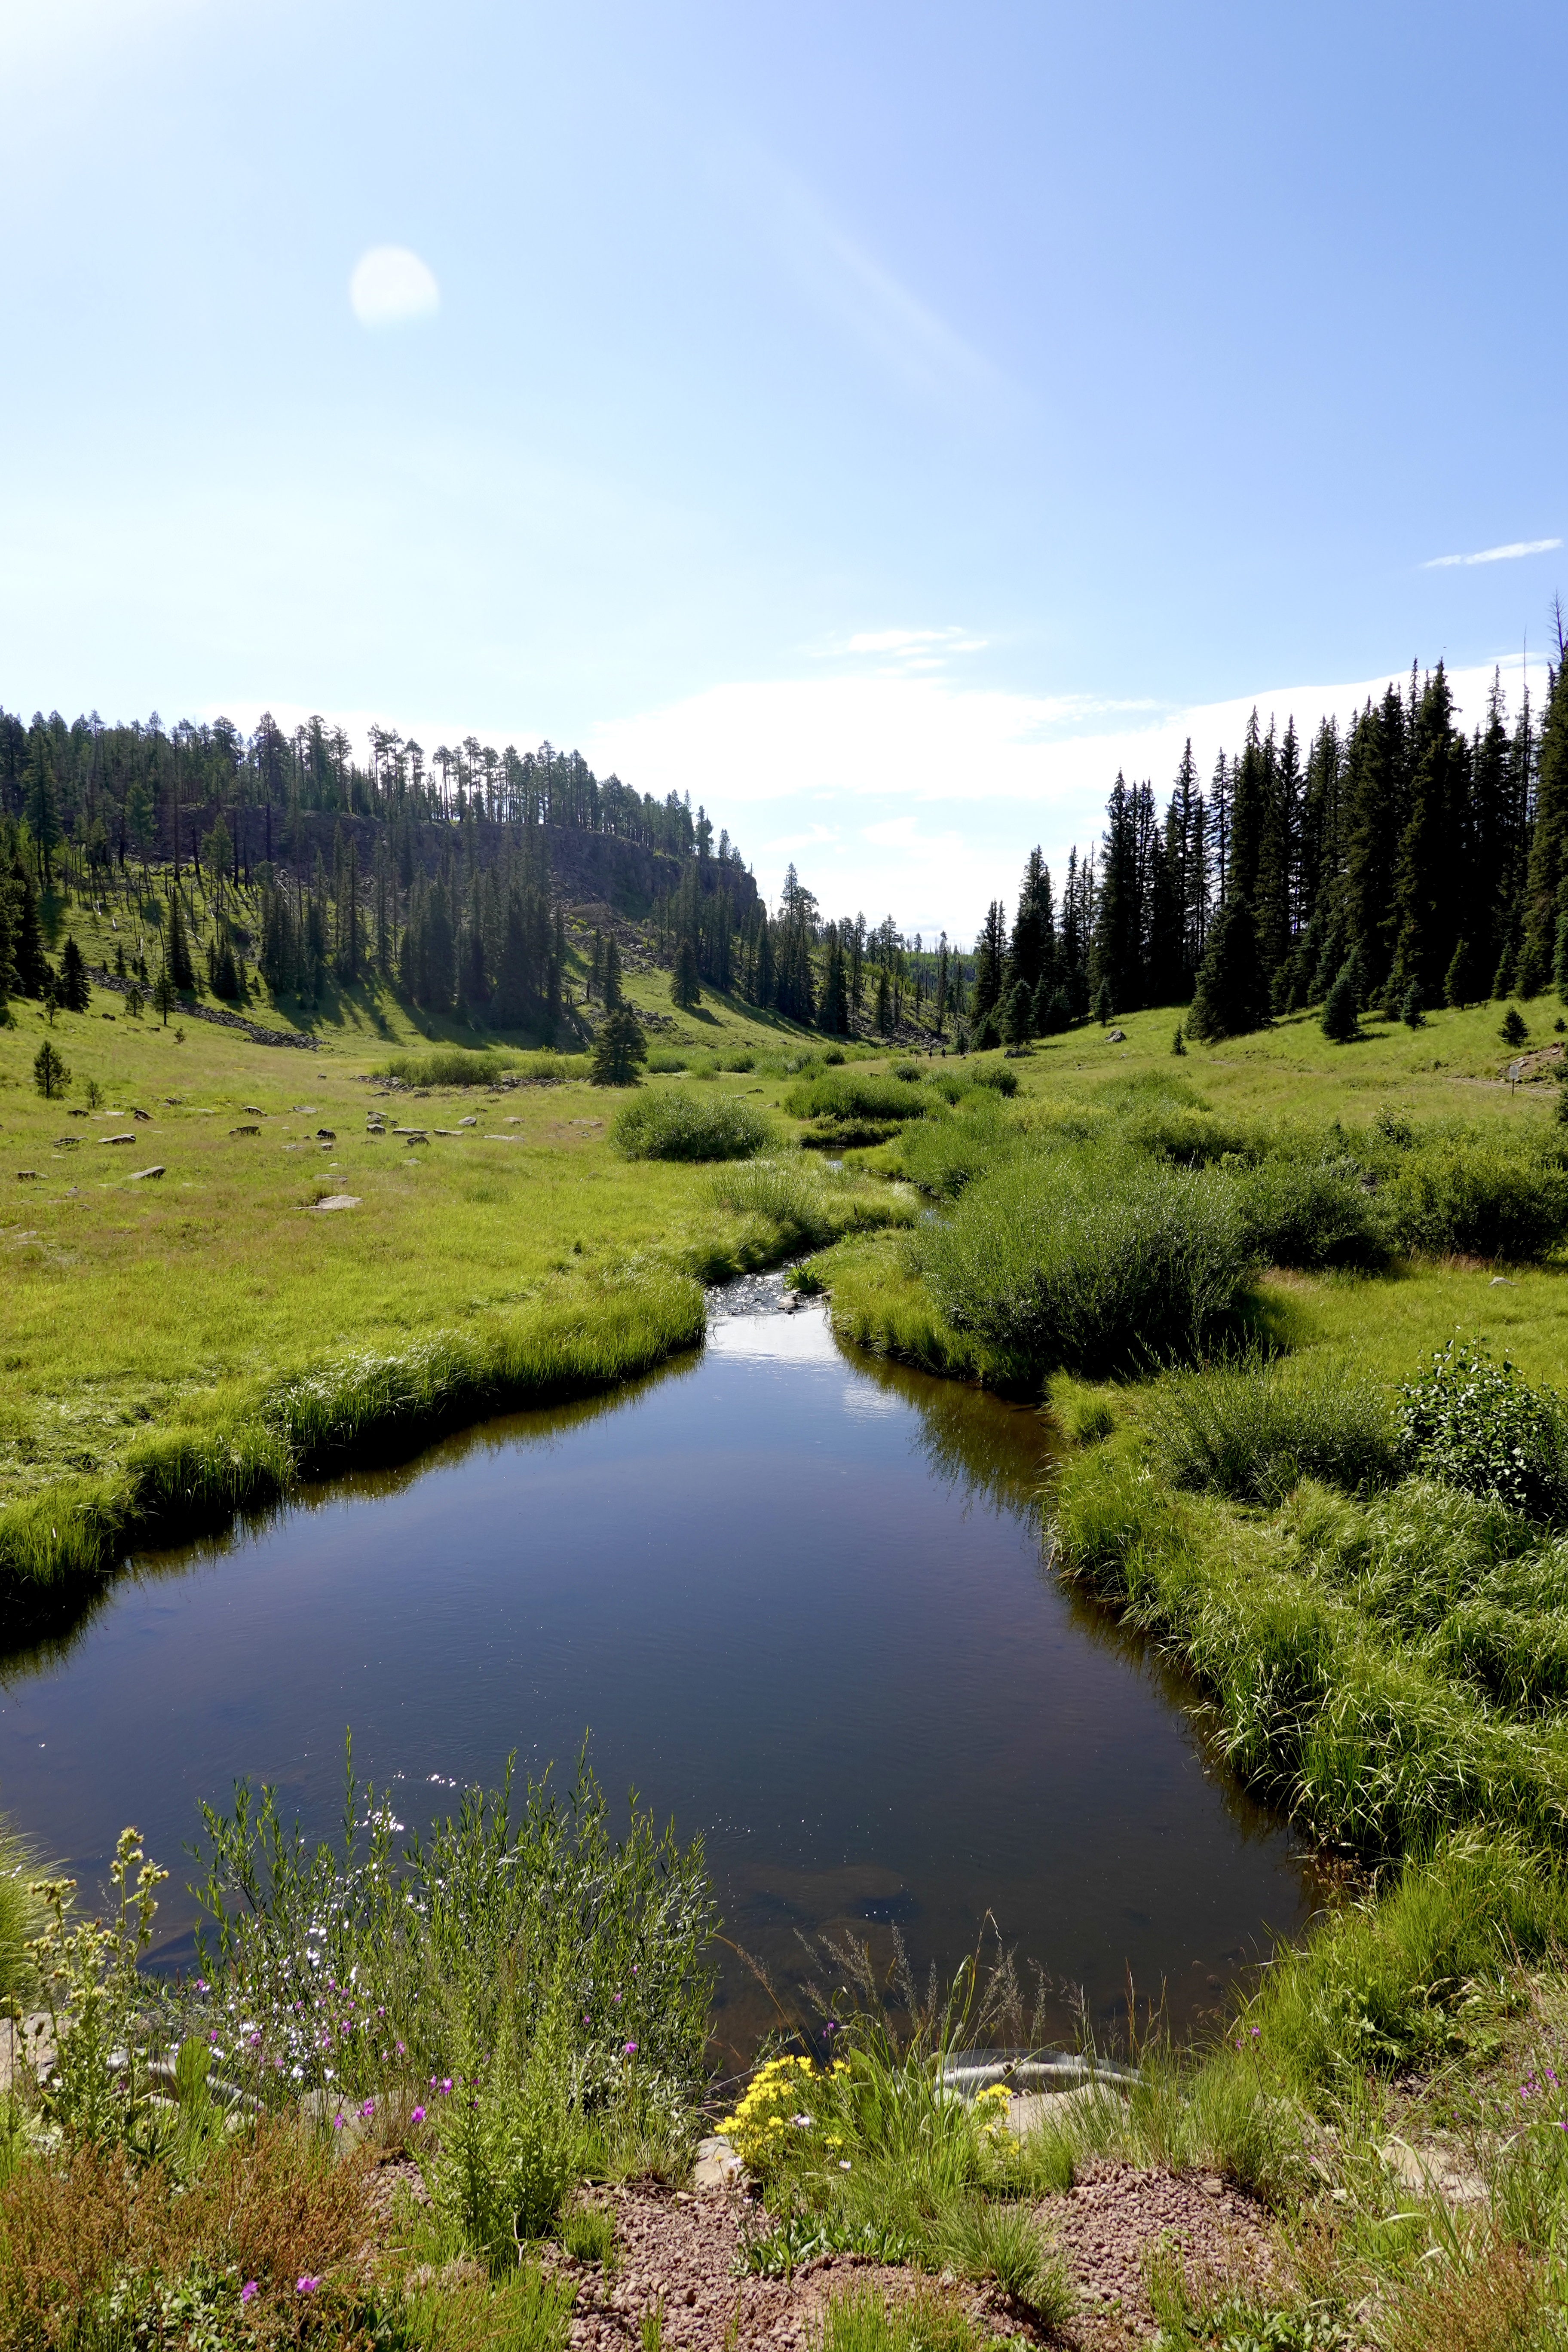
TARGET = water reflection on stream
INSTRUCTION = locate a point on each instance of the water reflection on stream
(798, 1596)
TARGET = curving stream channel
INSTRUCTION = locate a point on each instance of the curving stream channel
(797, 1595)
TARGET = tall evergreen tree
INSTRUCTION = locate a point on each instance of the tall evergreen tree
(1232, 992)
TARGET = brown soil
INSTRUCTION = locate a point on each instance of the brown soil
(683, 2250)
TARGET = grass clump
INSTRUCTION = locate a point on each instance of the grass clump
(1087, 1261)
(788, 1206)
(860, 2319)
(944, 1155)
(848, 1107)
(1252, 1428)
(678, 1125)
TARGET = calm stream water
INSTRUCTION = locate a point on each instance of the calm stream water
(797, 1596)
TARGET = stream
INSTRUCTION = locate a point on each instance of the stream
(794, 1594)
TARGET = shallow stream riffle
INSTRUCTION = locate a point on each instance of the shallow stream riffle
(794, 1593)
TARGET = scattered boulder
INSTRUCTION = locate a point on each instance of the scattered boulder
(142, 1174)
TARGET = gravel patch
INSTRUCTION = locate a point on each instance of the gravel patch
(1114, 2215)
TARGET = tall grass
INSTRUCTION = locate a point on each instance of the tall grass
(944, 1155)
(1088, 1261)
(678, 1125)
(21, 1915)
(514, 1928)
(453, 1065)
(1365, 1737)
(788, 1206)
(846, 1095)
(1252, 1428)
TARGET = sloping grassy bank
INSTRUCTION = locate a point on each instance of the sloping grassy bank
(180, 1483)
(1228, 1297)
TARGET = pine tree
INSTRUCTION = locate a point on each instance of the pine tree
(619, 1047)
(1118, 954)
(611, 981)
(990, 953)
(177, 953)
(1232, 992)
(41, 803)
(50, 1074)
(75, 994)
(1340, 1014)
(1461, 986)
(1104, 1004)
(1548, 868)
(27, 955)
(1424, 912)
(1018, 1016)
(1032, 953)
(683, 983)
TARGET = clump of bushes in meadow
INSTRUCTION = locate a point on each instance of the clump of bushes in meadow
(675, 1124)
(1309, 1213)
(456, 1066)
(1088, 1260)
(848, 1107)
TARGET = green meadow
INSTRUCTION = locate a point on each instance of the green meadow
(177, 1343)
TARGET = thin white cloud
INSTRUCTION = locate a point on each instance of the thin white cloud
(1516, 547)
(391, 287)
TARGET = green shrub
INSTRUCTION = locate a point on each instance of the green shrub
(1478, 1426)
(1303, 1213)
(680, 1125)
(1251, 1429)
(456, 1066)
(1187, 1137)
(1091, 1261)
(664, 1062)
(998, 1075)
(943, 1155)
(1458, 1193)
(852, 1094)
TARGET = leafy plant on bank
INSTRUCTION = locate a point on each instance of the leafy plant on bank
(1477, 1425)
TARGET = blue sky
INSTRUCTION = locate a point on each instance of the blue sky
(884, 420)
